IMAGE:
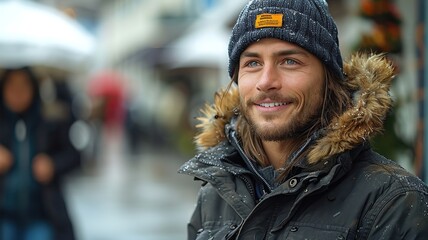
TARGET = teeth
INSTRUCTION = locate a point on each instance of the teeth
(270, 105)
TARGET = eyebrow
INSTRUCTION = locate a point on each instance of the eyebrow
(276, 54)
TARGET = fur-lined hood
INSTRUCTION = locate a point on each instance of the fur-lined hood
(369, 76)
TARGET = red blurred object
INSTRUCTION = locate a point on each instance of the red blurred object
(108, 87)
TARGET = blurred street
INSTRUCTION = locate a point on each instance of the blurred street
(136, 197)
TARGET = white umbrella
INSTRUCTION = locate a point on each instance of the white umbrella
(37, 35)
(204, 48)
(205, 43)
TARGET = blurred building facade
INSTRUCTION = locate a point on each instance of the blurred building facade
(139, 38)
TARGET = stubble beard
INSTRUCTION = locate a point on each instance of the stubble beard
(286, 130)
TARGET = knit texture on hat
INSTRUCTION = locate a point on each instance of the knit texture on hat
(306, 23)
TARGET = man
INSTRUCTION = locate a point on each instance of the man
(285, 155)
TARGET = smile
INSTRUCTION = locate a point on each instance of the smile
(271, 105)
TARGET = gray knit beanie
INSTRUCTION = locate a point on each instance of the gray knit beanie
(306, 23)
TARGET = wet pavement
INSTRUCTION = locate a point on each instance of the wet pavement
(130, 197)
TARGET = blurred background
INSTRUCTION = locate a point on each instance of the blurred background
(133, 75)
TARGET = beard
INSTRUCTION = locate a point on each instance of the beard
(295, 127)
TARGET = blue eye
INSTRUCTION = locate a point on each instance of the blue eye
(252, 64)
(290, 62)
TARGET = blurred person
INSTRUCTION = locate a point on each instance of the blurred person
(35, 153)
(106, 91)
(285, 154)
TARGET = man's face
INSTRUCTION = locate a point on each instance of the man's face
(281, 88)
(18, 92)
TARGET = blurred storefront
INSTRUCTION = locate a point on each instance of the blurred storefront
(193, 61)
(173, 54)
(149, 42)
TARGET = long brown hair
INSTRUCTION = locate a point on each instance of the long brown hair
(337, 99)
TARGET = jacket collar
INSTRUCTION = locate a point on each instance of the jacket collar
(213, 163)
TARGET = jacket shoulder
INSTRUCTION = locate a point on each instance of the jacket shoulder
(383, 172)
(397, 200)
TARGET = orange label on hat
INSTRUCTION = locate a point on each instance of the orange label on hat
(269, 20)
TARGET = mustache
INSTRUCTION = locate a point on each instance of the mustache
(272, 96)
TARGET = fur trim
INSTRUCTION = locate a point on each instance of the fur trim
(215, 117)
(370, 76)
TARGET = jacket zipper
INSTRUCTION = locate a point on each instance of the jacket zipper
(249, 186)
(248, 163)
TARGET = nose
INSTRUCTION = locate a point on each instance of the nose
(269, 79)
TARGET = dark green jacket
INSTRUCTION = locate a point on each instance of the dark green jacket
(345, 191)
